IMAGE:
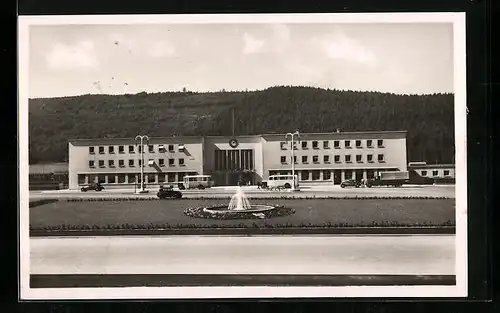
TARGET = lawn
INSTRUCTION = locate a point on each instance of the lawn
(313, 212)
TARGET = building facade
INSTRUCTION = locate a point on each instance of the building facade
(319, 158)
(438, 172)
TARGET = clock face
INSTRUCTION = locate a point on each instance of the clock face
(233, 143)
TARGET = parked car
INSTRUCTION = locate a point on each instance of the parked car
(350, 183)
(168, 193)
(93, 186)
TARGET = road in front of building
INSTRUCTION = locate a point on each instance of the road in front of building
(320, 255)
(447, 191)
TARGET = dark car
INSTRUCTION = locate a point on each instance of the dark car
(93, 186)
(350, 183)
(169, 193)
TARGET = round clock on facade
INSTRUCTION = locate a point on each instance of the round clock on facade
(233, 143)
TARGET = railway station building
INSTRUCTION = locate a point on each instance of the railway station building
(319, 158)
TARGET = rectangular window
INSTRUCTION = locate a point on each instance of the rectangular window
(91, 150)
(81, 179)
(337, 158)
(435, 173)
(358, 143)
(315, 159)
(101, 150)
(304, 159)
(101, 163)
(336, 144)
(315, 175)
(327, 175)
(171, 162)
(315, 145)
(326, 159)
(424, 173)
(151, 178)
(381, 158)
(131, 149)
(171, 177)
(121, 178)
(347, 143)
(283, 145)
(151, 148)
(131, 163)
(380, 143)
(295, 145)
(161, 178)
(446, 173)
(161, 148)
(121, 149)
(304, 145)
(101, 179)
(111, 179)
(131, 178)
(139, 148)
(111, 163)
(111, 149)
(171, 148)
(91, 164)
(359, 158)
(369, 158)
(92, 178)
(121, 163)
(348, 175)
(326, 144)
(348, 158)
(161, 162)
(369, 143)
(295, 159)
(181, 162)
(283, 159)
(304, 175)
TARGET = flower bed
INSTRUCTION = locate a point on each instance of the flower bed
(274, 211)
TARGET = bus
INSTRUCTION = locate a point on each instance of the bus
(285, 181)
(197, 181)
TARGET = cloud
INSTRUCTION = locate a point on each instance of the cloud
(72, 57)
(251, 44)
(339, 46)
(160, 49)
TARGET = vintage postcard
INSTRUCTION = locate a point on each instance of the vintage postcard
(242, 156)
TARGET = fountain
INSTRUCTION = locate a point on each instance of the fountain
(239, 208)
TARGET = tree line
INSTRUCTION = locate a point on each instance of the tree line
(429, 119)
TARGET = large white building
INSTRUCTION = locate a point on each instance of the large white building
(319, 158)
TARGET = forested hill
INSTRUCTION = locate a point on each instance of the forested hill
(429, 119)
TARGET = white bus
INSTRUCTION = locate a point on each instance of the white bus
(285, 181)
(197, 181)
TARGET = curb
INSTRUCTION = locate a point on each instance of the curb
(446, 230)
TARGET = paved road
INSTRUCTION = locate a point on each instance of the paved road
(350, 255)
(319, 191)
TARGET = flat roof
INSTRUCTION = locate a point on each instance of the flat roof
(427, 166)
(250, 136)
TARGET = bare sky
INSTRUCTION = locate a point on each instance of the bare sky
(68, 60)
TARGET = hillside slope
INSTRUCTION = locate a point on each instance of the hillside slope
(429, 119)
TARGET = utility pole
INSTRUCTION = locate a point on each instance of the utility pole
(141, 138)
(292, 136)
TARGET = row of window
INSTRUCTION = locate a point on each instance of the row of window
(131, 178)
(131, 149)
(327, 174)
(436, 173)
(336, 144)
(336, 159)
(131, 163)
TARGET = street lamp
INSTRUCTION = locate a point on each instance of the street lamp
(142, 138)
(292, 136)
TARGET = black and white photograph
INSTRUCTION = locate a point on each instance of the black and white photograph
(242, 156)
